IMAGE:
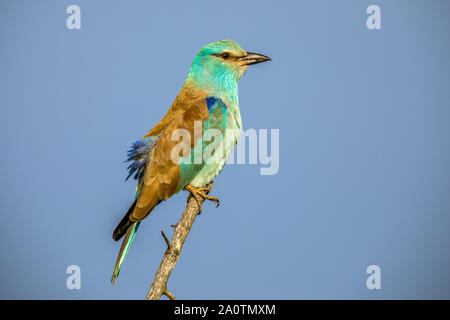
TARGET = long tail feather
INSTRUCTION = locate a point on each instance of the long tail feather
(124, 224)
(126, 244)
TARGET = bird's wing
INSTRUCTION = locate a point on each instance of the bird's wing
(162, 175)
(182, 102)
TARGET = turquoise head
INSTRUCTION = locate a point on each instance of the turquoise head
(219, 65)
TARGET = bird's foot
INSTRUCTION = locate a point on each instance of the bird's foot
(199, 193)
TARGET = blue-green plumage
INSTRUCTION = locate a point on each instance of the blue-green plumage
(200, 160)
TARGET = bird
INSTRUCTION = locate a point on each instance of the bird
(208, 100)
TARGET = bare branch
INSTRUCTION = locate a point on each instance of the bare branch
(169, 295)
(165, 239)
(172, 254)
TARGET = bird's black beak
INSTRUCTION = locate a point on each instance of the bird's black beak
(252, 58)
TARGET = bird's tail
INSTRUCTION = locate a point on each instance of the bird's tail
(126, 244)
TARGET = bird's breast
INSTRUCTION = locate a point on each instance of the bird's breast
(229, 140)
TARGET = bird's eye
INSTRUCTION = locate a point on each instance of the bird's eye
(225, 55)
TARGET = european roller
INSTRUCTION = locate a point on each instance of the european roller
(207, 101)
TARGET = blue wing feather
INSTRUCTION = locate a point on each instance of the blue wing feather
(139, 155)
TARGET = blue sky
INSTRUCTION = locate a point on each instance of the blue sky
(364, 149)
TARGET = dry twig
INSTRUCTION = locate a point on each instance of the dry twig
(172, 254)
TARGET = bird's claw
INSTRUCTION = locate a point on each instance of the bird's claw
(199, 193)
